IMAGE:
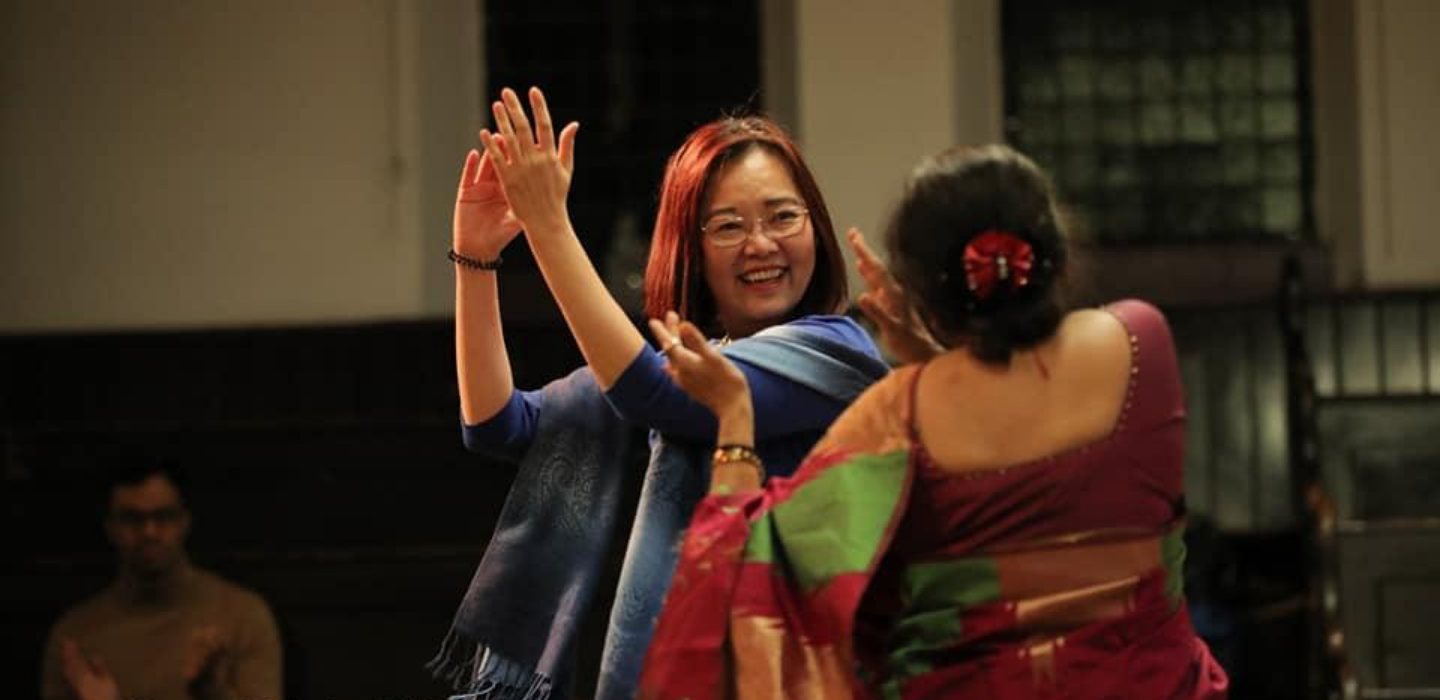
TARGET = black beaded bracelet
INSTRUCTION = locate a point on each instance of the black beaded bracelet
(472, 263)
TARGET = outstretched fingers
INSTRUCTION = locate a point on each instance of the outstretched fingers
(497, 149)
(866, 261)
(518, 121)
(544, 128)
(567, 146)
(503, 125)
(695, 342)
(470, 174)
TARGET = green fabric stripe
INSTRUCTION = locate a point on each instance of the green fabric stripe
(938, 593)
(955, 583)
(760, 547)
(834, 524)
(1172, 559)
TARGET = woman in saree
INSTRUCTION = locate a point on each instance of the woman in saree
(743, 245)
(1000, 520)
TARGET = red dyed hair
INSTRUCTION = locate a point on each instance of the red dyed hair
(674, 276)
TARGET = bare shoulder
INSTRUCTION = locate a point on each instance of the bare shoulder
(1093, 330)
(1095, 342)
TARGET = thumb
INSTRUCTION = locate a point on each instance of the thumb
(472, 166)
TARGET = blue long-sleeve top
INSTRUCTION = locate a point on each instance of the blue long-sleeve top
(789, 418)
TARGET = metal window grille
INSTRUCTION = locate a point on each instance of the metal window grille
(1166, 121)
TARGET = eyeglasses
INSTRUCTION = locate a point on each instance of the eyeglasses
(730, 230)
(136, 519)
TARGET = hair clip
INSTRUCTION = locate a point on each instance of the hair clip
(994, 258)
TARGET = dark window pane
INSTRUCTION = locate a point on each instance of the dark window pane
(1165, 120)
(638, 74)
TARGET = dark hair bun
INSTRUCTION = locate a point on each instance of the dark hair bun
(953, 198)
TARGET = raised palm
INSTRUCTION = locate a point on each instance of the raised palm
(484, 223)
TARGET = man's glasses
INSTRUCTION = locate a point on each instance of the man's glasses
(134, 518)
(730, 230)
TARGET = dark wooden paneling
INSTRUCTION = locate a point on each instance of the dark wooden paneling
(1390, 595)
(327, 473)
(1363, 442)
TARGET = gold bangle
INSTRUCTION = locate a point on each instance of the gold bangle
(731, 454)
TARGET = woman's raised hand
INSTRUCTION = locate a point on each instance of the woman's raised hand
(884, 304)
(484, 224)
(534, 168)
(698, 368)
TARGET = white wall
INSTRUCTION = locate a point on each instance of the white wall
(881, 85)
(173, 164)
(1398, 61)
(170, 163)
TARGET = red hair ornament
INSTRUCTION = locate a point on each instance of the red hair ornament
(994, 258)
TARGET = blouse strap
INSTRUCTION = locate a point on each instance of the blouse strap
(911, 421)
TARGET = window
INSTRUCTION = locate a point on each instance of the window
(1166, 122)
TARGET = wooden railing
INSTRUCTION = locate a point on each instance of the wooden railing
(1363, 381)
(1331, 673)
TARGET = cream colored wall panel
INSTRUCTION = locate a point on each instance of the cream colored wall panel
(198, 164)
(1399, 68)
(878, 88)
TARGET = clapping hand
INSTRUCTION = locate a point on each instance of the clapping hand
(534, 168)
(700, 369)
(484, 223)
(883, 302)
(203, 658)
(88, 676)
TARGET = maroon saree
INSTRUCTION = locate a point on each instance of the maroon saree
(872, 573)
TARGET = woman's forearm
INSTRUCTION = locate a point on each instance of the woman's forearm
(482, 367)
(607, 338)
(737, 424)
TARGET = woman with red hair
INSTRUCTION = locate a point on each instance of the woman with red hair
(744, 247)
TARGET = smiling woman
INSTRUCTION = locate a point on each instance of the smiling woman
(744, 247)
(756, 279)
(728, 174)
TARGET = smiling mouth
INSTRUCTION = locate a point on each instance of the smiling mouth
(769, 274)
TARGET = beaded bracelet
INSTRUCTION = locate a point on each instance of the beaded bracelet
(472, 263)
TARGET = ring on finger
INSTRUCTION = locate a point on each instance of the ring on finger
(674, 343)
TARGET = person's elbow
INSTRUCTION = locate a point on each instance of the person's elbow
(480, 442)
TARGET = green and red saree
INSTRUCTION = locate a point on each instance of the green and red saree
(871, 573)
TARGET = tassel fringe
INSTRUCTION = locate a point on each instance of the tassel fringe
(484, 674)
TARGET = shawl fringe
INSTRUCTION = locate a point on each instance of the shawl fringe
(485, 674)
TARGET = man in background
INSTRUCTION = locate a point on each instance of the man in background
(164, 629)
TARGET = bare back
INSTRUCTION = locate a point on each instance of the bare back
(1064, 394)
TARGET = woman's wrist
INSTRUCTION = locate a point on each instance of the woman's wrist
(736, 423)
(550, 227)
(734, 468)
(474, 251)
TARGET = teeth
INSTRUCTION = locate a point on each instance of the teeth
(762, 275)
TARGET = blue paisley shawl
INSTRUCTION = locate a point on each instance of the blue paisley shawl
(513, 636)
